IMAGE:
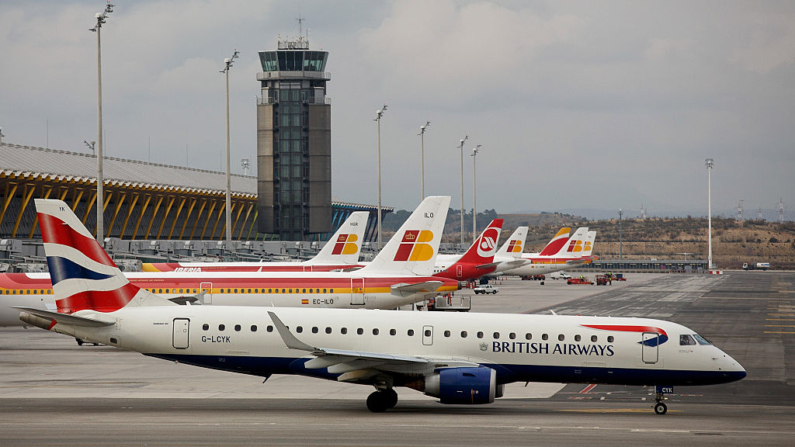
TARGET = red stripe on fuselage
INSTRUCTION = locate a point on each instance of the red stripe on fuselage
(56, 231)
(610, 327)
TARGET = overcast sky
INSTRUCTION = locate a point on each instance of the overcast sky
(601, 105)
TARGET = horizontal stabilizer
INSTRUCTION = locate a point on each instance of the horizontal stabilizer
(406, 290)
(93, 319)
(487, 266)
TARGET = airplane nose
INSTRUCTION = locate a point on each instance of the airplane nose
(731, 369)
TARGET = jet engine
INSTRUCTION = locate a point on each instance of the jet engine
(476, 385)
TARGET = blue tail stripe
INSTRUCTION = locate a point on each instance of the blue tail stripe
(62, 268)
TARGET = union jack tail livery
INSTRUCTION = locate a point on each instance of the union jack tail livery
(557, 243)
(82, 274)
(413, 248)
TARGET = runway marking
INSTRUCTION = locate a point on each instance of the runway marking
(588, 389)
(613, 410)
(771, 332)
(779, 325)
(781, 315)
(779, 319)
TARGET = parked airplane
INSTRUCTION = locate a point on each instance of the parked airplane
(509, 255)
(341, 252)
(476, 262)
(577, 250)
(459, 358)
(400, 274)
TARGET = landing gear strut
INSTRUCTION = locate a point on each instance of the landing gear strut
(660, 407)
(382, 400)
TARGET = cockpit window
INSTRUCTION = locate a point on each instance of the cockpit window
(701, 340)
(686, 340)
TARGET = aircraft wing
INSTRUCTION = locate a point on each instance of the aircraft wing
(73, 320)
(406, 290)
(359, 365)
(487, 266)
(517, 263)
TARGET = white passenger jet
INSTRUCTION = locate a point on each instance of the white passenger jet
(341, 252)
(459, 358)
(576, 251)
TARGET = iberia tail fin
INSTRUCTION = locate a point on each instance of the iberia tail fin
(557, 243)
(413, 248)
(346, 244)
(576, 243)
(514, 246)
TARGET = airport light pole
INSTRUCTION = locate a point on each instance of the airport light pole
(461, 145)
(101, 17)
(227, 65)
(475, 193)
(422, 158)
(378, 115)
(709, 163)
(620, 239)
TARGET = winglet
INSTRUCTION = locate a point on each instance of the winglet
(289, 339)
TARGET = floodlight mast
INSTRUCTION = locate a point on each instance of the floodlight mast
(422, 158)
(461, 146)
(101, 18)
(709, 163)
(475, 193)
(378, 115)
(227, 65)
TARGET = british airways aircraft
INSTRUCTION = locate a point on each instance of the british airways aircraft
(459, 358)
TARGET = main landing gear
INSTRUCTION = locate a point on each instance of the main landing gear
(382, 400)
(660, 407)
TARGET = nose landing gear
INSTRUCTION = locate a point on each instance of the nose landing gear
(660, 407)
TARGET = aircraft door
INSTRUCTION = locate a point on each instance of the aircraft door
(180, 339)
(308, 268)
(459, 271)
(651, 347)
(207, 288)
(427, 335)
(357, 291)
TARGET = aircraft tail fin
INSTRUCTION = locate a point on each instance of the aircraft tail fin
(514, 246)
(345, 245)
(590, 239)
(413, 248)
(576, 243)
(557, 243)
(485, 247)
(83, 275)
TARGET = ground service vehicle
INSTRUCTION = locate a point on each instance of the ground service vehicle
(579, 280)
(486, 288)
(756, 266)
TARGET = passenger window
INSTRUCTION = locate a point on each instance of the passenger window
(253, 328)
(512, 336)
(324, 290)
(375, 331)
(427, 332)
(463, 334)
(496, 335)
(392, 332)
(577, 338)
(328, 330)
(610, 339)
(269, 328)
(446, 333)
(480, 334)
(344, 331)
(249, 290)
(561, 337)
(544, 337)
(360, 331)
(237, 328)
(593, 338)
(528, 336)
(410, 332)
(314, 329)
(270, 290)
(303, 290)
(206, 327)
(221, 327)
(686, 340)
(299, 329)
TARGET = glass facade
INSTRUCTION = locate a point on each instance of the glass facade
(293, 60)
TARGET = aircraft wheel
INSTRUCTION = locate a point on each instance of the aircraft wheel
(79, 342)
(391, 397)
(660, 408)
(378, 402)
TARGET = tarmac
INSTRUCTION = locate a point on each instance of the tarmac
(54, 392)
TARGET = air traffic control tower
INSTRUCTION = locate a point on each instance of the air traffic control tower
(294, 142)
